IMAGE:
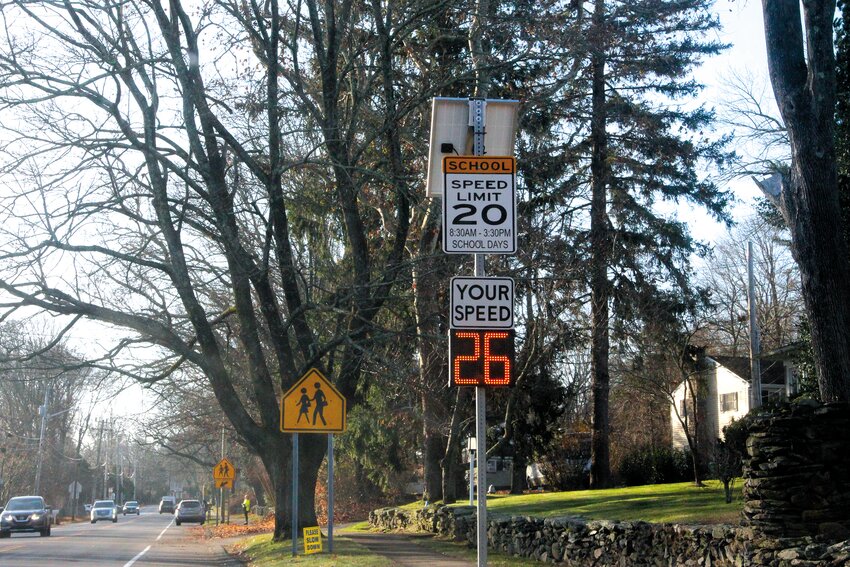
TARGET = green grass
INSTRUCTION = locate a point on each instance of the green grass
(679, 503)
(262, 551)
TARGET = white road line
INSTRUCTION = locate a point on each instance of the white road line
(163, 531)
(145, 550)
(136, 558)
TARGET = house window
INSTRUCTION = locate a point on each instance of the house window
(729, 402)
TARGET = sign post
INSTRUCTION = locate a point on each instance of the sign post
(479, 204)
(312, 405)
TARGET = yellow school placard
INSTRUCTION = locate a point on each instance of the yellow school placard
(312, 540)
(312, 405)
(224, 473)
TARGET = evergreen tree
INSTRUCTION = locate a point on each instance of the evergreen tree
(643, 144)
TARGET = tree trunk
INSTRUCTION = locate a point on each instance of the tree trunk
(518, 484)
(451, 460)
(600, 472)
(432, 371)
(802, 72)
(277, 458)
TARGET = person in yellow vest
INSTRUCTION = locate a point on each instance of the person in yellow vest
(246, 507)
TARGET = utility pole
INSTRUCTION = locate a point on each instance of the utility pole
(43, 411)
(106, 465)
(119, 469)
(97, 459)
(755, 340)
(221, 498)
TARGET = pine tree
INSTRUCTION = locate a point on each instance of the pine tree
(644, 144)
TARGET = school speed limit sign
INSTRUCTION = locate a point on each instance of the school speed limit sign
(479, 205)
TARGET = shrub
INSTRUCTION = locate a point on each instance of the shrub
(565, 474)
(654, 465)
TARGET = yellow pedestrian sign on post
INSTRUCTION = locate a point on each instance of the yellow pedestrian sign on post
(312, 405)
(224, 473)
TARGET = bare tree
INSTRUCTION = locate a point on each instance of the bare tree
(247, 221)
(779, 303)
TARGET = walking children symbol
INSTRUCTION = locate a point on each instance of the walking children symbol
(321, 401)
(304, 406)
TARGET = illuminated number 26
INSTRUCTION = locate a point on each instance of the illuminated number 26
(481, 358)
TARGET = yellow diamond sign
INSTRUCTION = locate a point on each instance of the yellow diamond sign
(312, 405)
(224, 473)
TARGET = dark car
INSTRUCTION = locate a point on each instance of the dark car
(166, 505)
(131, 507)
(190, 511)
(104, 510)
(25, 514)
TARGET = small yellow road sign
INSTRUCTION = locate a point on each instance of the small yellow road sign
(312, 405)
(224, 473)
(312, 540)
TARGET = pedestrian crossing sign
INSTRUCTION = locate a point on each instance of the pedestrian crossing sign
(312, 405)
(224, 473)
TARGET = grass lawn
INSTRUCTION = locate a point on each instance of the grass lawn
(261, 550)
(680, 503)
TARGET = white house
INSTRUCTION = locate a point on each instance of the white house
(723, 393)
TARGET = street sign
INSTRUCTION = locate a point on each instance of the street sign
(479, 205)
(224, 474)
(480, 357)
(312, 405)
(74, 489)
(482, 303)
(312, 540)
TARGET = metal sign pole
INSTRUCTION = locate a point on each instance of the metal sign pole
(477, 110)
(330, 492)
(471, 453)
(294, 494)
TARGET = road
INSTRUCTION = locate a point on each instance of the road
(149, 539)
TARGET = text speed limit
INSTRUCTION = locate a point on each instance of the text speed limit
(479, 202)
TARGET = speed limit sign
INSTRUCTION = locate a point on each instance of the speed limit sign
(479, 205)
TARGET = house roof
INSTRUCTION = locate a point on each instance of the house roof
(737, 364)
(772, 371)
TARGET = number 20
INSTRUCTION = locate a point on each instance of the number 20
(489, 360)
(500, 211)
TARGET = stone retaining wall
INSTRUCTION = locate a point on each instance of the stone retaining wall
(797, 476)
(576, 542)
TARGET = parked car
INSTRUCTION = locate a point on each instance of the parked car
(131, 507)
(190, 511)
(167, 504)
(87, 508)
(26, 514)
(104, 510)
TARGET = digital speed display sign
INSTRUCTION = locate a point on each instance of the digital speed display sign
(481, 357)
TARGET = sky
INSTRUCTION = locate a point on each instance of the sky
(743, 28)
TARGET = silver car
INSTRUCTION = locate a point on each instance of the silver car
(189, 511)
(104, 510)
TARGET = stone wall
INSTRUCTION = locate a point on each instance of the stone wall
(797, 504)
(576, 542)
(797, 476)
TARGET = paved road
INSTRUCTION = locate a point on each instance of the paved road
(147, 540)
